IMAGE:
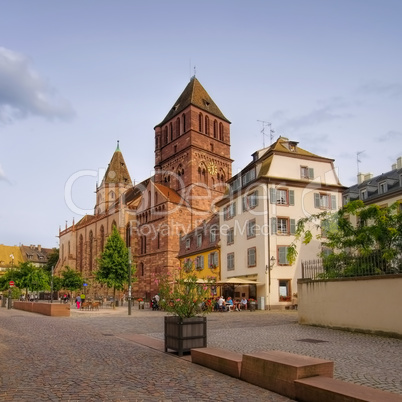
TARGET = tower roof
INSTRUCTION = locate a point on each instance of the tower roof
(194, 94)
(117, 171)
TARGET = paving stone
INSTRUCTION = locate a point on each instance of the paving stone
(88, 356)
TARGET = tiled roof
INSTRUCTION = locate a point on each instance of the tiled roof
(117, 171)
(6, 251)
(194, 94)
(169, 194)
(35, 254)
(372, 185)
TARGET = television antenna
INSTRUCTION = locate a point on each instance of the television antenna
(358, 160)
(264, 125)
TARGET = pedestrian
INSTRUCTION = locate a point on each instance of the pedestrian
(83, 297)
(78, 302)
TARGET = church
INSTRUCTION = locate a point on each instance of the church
(192, 165)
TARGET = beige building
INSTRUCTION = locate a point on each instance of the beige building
(258, 218)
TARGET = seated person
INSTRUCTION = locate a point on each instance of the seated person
(222, 304)
(243, 303)
(229, 304)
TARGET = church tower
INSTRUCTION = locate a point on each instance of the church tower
(115, 182)
(192, 148)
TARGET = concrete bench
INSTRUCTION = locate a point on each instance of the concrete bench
(223, 361)
(277, 371)
(318, 389)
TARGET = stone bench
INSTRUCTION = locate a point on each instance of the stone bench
(318, 389)
(223, 361)
(277, 371)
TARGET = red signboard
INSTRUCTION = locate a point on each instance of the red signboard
(12, 283)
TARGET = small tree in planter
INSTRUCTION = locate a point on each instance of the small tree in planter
(187, 298)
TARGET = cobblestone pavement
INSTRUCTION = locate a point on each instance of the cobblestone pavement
(86, 358)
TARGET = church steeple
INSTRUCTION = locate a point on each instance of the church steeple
(115, 182)
(192, 146)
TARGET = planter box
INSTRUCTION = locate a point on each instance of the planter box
(182, 335)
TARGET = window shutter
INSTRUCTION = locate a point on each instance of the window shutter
(310, 173)
(245, 203)
(333, 201)
(273, 226)
(215, 258)
(291, 197)
(255, 198)
(234, 209)
(316, 200)
(292, 226)
(282, 255)
(272, 195)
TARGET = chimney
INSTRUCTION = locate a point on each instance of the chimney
(368, 176)
(399, 162)
(393, 167)
(39, 247)
(360, 178)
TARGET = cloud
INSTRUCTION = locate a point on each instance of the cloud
(391, 135)
(327, 111)
(23, 92)
(392, 90)
(3, 176)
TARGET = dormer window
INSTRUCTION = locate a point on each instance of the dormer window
(382, 187)
(363, 194)
(188, 243)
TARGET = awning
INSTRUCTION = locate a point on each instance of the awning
(237, 281)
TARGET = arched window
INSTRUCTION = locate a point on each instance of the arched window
(128, 236)
(200, 122)
(102, 238)
(179, 177)
(142, 269)
(91, 244)
(165, 135)
(149, 199)
(156, 198)
(221, 136)
(183, 119)
(206, 125)
(114, 224)
(69, 248)
(111, 195)
(171, 130)
(177, 127)
(215, 129)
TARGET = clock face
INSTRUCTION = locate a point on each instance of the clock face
(212, 169)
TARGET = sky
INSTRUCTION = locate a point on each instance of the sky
(77, 76)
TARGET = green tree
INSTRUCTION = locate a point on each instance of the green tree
(374, 232)
(52, 259)
(113, 263)
(23, 276)
(71, 280)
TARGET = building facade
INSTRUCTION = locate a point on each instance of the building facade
(200, 251)
(259, 214)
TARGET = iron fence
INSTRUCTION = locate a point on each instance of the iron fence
(349, 267)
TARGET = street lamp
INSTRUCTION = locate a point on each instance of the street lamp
(268, 273)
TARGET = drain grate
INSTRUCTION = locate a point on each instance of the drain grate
(310, 340)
